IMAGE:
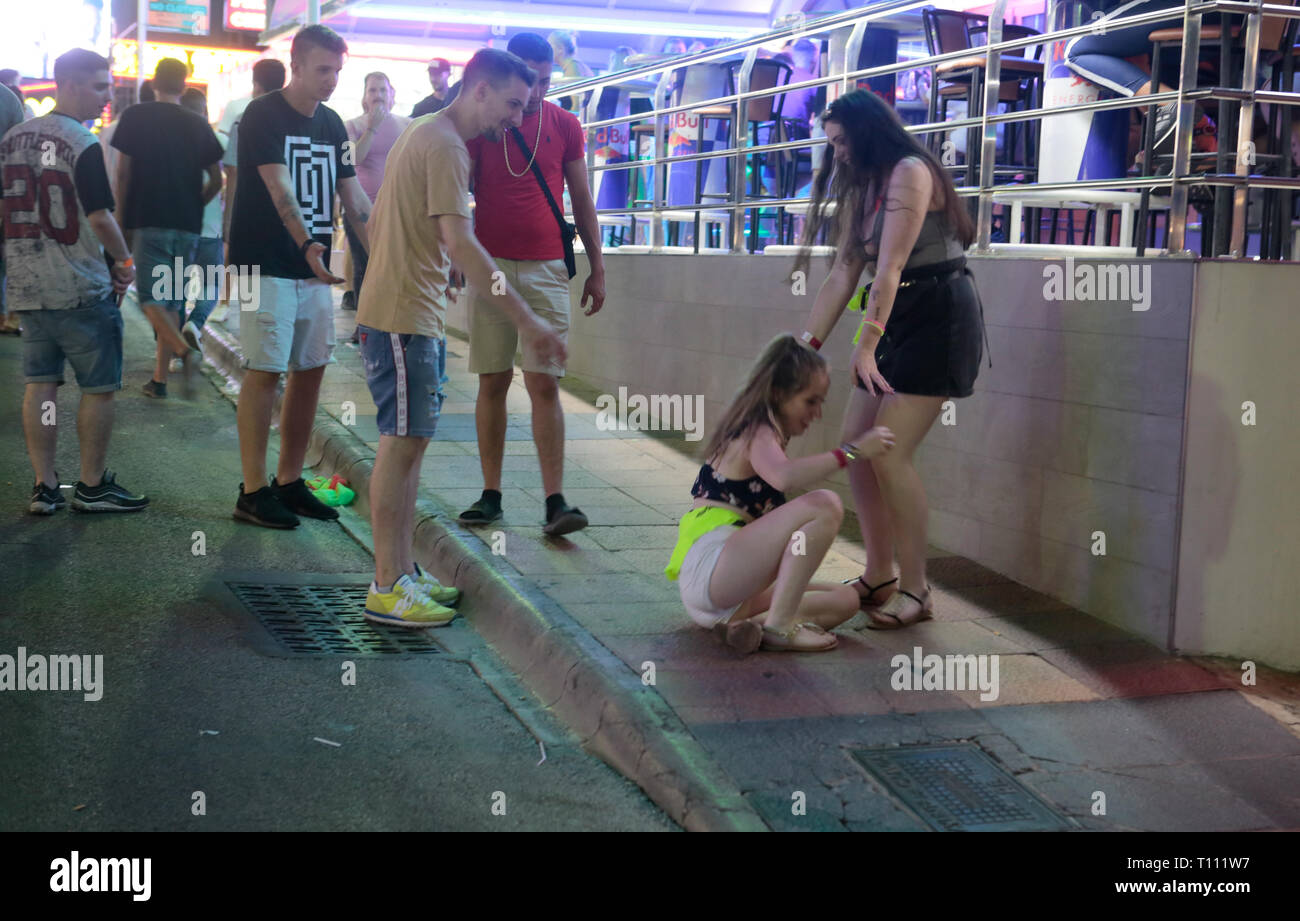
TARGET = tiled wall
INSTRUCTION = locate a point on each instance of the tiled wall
(1077, 427)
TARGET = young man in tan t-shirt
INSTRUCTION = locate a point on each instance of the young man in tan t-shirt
(421, 218)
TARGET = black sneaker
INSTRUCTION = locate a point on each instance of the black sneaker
(154, 389)
(46, 500)
(349, 301)
(264, 508)
(108, 496)
(298, 498)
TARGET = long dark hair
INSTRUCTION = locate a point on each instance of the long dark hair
(785, 368)
(877, 141)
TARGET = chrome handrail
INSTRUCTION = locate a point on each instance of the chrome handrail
(738, 202)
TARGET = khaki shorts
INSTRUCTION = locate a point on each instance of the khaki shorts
(493, 339)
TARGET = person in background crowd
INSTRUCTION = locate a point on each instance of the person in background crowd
(293, 158)
(1102, 57)
(696, 47)
(62, 284)
(108, 131)
(9, 78)
(517, 227)
(423, 217)
(374, 134)
(739, 569)
(900, 216)
(268, 76)
(618, 57)
(11, 114)
(564, 46)
(208, 253)
(674, 46)
(439, 72)
(164, 150)
(798, 108)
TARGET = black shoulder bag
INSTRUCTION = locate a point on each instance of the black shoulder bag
(567, 230)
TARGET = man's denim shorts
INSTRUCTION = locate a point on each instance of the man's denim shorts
(90, 338)
(156, 252)
(404, 373)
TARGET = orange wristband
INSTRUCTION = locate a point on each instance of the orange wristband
(128, 262)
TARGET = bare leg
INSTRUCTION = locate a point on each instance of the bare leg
(297, 415)
(397, 459)
(910, 417)
(548, 428)
(490, 423)
(42, 440)
(762, 552)
(868, 502)
(825, 604)
(406, 551)
(94, 426)
(163, 322)
(253, 416)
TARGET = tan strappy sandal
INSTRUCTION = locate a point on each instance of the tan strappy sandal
(785, 640)
(895, 613)
(864, 601)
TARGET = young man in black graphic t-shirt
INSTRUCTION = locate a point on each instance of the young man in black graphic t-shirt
(165, 149)
(294, 155)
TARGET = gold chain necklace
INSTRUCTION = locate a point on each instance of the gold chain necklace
(505, 147)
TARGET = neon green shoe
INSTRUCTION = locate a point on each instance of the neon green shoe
(443, 594)
(332, 491)
(406, 605)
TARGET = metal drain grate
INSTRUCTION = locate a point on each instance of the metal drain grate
(959, 788)
(323, 620)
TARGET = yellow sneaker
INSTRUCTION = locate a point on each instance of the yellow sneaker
(443, 594)
(406, 605)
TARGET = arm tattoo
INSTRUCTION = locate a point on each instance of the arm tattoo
(286, 205)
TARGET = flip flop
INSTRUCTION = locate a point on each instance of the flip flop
(786, 641)
(566, 521)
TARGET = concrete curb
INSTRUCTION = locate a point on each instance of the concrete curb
(617, 718)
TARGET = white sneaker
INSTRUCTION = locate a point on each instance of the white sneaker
(191, 334)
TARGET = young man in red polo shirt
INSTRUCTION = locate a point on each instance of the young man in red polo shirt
(517, 226)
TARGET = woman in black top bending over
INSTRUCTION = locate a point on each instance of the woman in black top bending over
(897, 213)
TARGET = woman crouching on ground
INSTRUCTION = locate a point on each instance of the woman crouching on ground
(745, 557)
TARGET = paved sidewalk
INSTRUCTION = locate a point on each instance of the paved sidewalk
(1173, 743)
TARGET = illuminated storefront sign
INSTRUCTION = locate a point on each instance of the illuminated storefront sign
(205, 63)
(189, 16)
(248, 15)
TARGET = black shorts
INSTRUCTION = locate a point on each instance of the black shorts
(933, 341)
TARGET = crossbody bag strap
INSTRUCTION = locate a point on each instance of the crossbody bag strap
(541, 181)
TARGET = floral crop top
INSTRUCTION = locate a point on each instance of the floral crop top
(754, 496)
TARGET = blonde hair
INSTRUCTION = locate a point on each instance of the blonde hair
(785, 368)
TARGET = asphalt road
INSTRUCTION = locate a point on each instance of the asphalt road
(196, 697)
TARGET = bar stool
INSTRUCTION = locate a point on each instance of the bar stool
(1276, 38)
(1021, 79)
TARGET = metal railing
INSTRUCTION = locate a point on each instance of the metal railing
(1186, 97)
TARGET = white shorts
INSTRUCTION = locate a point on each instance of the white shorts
(287, 324)
(697, 571)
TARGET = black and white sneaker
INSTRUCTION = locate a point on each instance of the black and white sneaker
(264, 508)
(1166, 122)
(108, 496)
(46, 500)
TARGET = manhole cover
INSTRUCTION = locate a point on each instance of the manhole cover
(322, 620)
(959, 788)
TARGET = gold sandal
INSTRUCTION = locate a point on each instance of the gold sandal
(784, 640)
(893, 610)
